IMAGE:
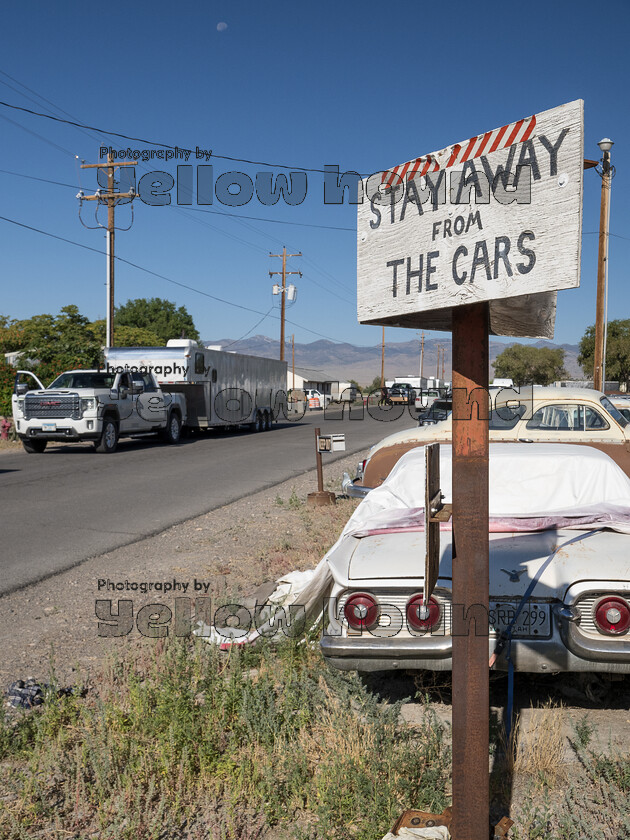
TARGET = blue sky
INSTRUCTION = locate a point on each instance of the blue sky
(363, 85)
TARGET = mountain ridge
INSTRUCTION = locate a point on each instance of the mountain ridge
(345, 361)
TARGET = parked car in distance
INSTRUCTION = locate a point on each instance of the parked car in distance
(439, 410)
(316, 399)
(535, 414)
(401, 393)
(425, 398)
(563, 528)
(622, 404)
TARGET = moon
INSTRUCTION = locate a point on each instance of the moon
(221, 27)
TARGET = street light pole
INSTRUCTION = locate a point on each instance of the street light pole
(601, 315)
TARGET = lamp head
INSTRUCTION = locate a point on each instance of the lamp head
(606, 144)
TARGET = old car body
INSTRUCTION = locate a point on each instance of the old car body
(528, 415)
(622, 404)
(550, 530)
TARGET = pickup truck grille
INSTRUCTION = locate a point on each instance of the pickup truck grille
(53, 407)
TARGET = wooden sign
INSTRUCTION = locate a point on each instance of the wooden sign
(494, 218)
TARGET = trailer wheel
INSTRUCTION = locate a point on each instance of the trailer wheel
(267, 422)
(173, 431)
(109, 437)
(33, 446)
(259, 425)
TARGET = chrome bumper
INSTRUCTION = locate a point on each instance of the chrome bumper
(355, 491)
(567, 650)
(612, 649)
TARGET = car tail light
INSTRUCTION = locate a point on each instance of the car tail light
(421, 616)
(612, 615)
(361, 611)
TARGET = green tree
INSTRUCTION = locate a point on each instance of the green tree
(7, 379)
(126, 336)
(617, 351)
(530, 365)
(375, 384)
(11, 336)
(158, 316)
(52, 344)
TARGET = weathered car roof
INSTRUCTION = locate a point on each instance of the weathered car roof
(443, 427)
(550, 392)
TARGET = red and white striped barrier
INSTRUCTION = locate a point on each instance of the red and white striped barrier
(491, 141)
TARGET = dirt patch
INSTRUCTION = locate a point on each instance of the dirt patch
(226, 554)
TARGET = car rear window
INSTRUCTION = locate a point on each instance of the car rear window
(614, 412)
(506, 416)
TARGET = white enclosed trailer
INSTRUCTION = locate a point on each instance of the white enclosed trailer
(220, 388)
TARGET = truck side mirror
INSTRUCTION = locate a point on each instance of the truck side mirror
(21, 388)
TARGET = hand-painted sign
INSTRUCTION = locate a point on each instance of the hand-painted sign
(495, 218)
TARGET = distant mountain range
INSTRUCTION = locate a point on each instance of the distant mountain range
(348, 361)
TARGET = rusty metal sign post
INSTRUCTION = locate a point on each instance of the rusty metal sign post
(475, 238)
(470, 625)
(434, 513)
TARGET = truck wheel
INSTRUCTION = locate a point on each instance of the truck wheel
(32, 446)
(109, 437)
(267, 422)
(173, 431)
(260, 423)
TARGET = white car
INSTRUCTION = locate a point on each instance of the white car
(622, 404)
(531, 415)
(559, 523)
(315, 398)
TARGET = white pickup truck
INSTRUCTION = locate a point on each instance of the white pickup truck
(95, 405)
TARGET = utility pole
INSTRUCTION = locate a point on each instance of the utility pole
(383, 360)
(283, 291)
(443, 352)
(293, 359)
(601, 315)
(437, 370)
(421, 358)
(111, 198)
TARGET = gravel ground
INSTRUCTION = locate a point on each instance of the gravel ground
(228, 552)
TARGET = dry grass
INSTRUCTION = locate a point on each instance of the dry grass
(537, 754)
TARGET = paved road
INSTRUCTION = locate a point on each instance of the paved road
(68, 504)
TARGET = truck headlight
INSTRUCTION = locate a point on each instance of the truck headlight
(88, 403)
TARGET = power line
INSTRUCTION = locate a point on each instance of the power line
(233, 216)
(273, 221)
(236, 340)
(610, 233)
(193, 209)
(163, 277)
(77, 124)
(236, 217)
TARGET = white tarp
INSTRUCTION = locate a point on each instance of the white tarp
(548, 482)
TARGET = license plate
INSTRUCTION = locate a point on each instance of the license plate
(49, 427)
(533, 620)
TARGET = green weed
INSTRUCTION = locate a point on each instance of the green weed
(186, 731)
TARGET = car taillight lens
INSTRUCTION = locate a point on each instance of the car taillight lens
(421, 616)
(361, 611)
(612, 615)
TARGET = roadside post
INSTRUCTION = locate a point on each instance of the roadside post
(324, 443)
(475, 239)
